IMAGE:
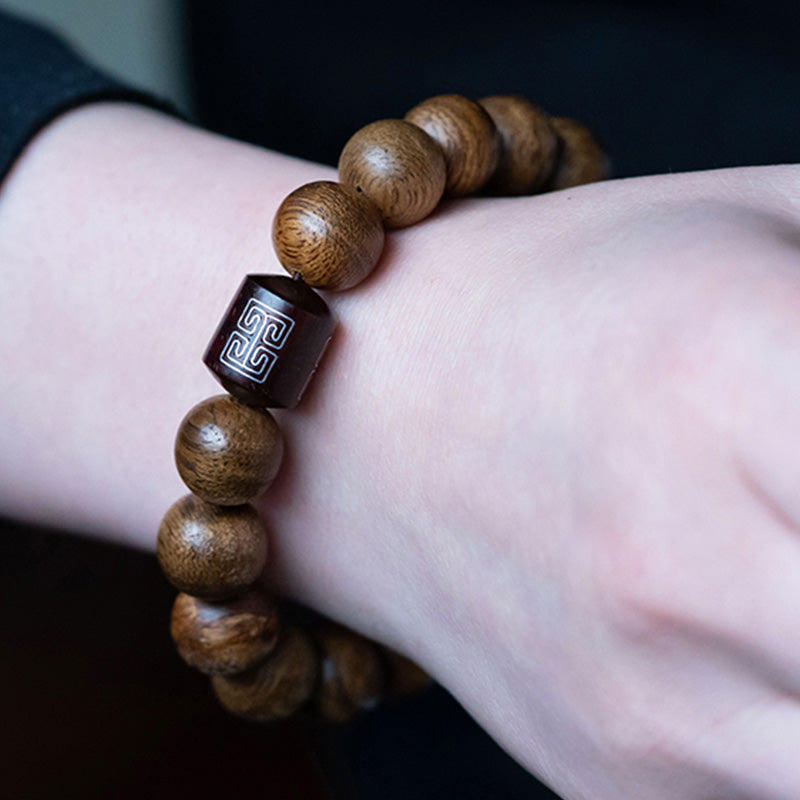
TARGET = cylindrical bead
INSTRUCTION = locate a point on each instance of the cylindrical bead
(278, 686)
(329, 233)
(581, 159)
(224, 638)
(211, 551)
(466, 134)
(226, 452)
(397, 166)
(352, 674)
(270, 341)
(528, 145)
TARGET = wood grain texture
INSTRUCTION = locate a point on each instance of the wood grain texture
(528, 146)
(226, 452)
(466, 134)
(277, 687)
(352, 673)
(224, 638)
(211, 551)
(329, 233)
(581, 159)
(398, 166)
(404, 677)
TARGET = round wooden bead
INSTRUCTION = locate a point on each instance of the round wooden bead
(466, 134)
(224, 638)
(398, 166)
(352, 674)
(329, 233)
(528, 145)
(581, 159)
(404, 677)
(278, 686)
(211, 551)
(226, 452)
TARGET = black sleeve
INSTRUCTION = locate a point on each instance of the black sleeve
(42, 77)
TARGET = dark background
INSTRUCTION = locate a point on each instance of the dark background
(669, 86)
(96, 704)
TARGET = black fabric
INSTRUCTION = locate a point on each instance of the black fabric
(669, 86)
(40, 78)
(426, 748)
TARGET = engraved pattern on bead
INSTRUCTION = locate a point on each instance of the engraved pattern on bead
(260, 331)
(285, 343)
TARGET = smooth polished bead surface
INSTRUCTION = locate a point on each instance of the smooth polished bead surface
(352, 674)
(211, 551)
(278, 686)
(226, 452)
(270, 341)
(398, 166)
(466, 134)
(528, 145)
(581, 159)
(329, 233)
(224, 638)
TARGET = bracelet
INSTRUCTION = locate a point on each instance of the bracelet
(267, 663)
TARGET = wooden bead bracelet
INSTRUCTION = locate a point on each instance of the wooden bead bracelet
(212, 545)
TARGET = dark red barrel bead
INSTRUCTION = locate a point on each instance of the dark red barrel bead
(270, 341)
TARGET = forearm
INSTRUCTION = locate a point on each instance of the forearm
(441, 483)
(123, 233)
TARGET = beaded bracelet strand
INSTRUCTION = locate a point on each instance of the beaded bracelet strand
(266, 664)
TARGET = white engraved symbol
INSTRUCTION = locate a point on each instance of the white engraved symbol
(260, 331)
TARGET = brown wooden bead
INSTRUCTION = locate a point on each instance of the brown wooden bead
(278, 686)
(398, 166)
(226, 452)
(528, 146)
(211, 551)
(404, 677)
(224, 638)
(329, 233)
(466, 134)
(352, 673)
(581, 159)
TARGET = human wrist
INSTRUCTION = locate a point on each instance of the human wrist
(329, 236)
(136, 226)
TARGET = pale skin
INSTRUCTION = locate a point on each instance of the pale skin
(552, 454)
